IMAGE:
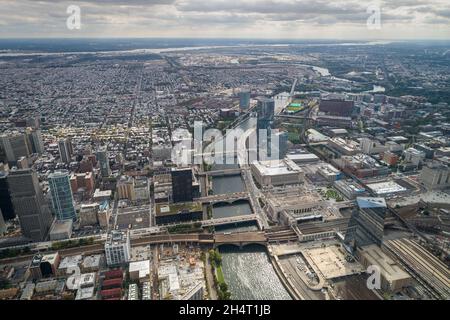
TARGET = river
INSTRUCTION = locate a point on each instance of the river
(250, 275)
(247, 271)
(228, 184)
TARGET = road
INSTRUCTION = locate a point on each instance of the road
(255, 193)
(293, 274)
(210, 279)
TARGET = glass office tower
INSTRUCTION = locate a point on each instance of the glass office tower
(62, 199)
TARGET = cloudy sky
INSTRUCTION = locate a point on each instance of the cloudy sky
(296, 19)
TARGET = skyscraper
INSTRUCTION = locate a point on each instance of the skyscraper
(278, 144)
(62, 199)
(366, 225)
(29, 204)
(182, 185)
(244, 99)
(6, 205)
(64, 147)
(266, 109)
(103, 159)
(14, 147)
(36, 144)
(265, 112)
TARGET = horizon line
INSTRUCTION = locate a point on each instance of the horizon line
(222, 38)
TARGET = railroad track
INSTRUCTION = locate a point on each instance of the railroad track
(427, 269)
(339, 224)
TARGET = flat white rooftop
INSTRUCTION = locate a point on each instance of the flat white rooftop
(387, 187)
(276, 167)
(302, 157)
(70, 261)
(143, 267)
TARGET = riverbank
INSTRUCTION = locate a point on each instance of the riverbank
(210, 278)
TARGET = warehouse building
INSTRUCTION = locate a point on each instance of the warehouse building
(393, 278)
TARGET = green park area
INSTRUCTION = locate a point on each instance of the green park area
(333, 194)
(216, 262)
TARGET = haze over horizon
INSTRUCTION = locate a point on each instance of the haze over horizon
(250, 19)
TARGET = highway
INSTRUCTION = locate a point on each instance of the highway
(294, 275)
(255, 193)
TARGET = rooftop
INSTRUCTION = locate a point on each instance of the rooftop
(387, 187)
(85, 293)
(366, 202)
(70, 261)
(143, 267)
(63, 226)
(303, 157)
(91, 261)
(276, 167)
(389, 268)
(169, 209)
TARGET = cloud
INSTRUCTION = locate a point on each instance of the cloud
(241, 18)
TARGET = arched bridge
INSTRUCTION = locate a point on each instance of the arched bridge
(229, 198)
(225, 172)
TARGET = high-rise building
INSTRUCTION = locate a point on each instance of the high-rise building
(117, 248)
(244, 99)
(14, 147)
(65, 150)
(82, 182)
(29, 204)
(279, 145)
(366, 225)
(2, 224)
(265, 111)
(103, 159)
(6, 205)
(35, 143)
(86, 165)
(62, 199)
(182, 185)
(126, 188)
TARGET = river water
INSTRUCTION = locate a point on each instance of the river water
(247, 271)
(250, 275)
(228, 184)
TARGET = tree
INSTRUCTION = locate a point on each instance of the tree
(223, 286)
(227, 295)
(4, 283)
(215, 258)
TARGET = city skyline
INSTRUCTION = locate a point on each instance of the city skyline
(199, 150)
